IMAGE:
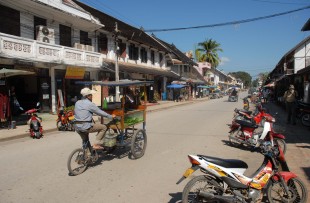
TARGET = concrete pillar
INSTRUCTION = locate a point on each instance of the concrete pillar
(53, 90)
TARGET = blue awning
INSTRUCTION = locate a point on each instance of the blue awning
(203, 86)
(175, 86)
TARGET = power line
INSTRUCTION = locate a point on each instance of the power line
(277, 2)
(229, 23)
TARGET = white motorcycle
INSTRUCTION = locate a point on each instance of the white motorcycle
(224, 180)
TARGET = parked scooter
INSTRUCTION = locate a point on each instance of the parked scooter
(246, 103)
(243, 132)
(65, 120)
(303, 113)
(34, 122)
(224, 180)
(257, 116)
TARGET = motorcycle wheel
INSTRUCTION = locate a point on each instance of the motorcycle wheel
(236, 135)
(77, 162)
(138, 143)
(305, 120)
(281, 143)
(60, 127)
(197, 184)
(297, 192)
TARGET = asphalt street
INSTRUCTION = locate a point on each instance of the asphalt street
(36, 171)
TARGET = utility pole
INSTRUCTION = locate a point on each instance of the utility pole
(116, 50)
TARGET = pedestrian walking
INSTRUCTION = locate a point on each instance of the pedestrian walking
(290, 98)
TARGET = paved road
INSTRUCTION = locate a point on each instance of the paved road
(35, 170)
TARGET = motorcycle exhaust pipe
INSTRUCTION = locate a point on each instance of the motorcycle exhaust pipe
(241, 141)
(210, 196)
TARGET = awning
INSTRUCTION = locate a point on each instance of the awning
(270, 85)
(115, 83)
(203, 86)
(175, 86)
(134, 68)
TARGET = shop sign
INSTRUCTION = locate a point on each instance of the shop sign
(46, 96)
(75, 73)
(44, 86)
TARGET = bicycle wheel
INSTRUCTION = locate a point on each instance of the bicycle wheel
(138, 143)
(77, 162)
(305, 120)
(197, 184)
(281, 143)
(296, 188)
(60, 127)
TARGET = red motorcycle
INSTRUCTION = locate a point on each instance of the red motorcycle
(258, 117)
(243, 132)
(34, 122)
(65, 120)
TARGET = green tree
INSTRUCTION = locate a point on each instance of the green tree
(244, 77)
(263, 76)
(207, 51)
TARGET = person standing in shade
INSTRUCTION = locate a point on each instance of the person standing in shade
(290, 98)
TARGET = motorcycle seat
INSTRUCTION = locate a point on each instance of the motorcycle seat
(246, 111)
(248, 123)
(227, 163)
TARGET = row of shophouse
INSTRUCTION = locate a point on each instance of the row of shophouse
(63, 41)
(293, 68)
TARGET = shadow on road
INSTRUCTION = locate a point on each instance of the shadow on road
(175, 197)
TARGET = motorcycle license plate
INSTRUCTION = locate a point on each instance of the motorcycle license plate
(188, 172)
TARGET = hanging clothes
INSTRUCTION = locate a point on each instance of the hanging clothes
(4, 106)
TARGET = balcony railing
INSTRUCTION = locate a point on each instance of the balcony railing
(32, 50)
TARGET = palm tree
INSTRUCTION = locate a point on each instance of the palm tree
(208, 51)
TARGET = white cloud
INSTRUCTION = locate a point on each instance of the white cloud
(224, 60)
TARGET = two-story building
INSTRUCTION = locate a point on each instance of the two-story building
(63, 41)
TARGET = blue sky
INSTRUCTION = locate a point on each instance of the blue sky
(253, 47)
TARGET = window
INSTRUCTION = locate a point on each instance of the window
(133, 52)
(64, 35)
(143, 54)
(161, 58)
(9, 21)
(102, 44)
(36, 22)
(122, 49)
(84, 38)
(153, 57)
(186, 69)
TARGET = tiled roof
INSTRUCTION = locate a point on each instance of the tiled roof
(127, 31)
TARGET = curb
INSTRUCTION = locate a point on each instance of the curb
(22, 135)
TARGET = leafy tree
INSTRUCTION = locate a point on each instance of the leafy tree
(208, 52)
(263, 76)
(255, 83)
(243, 76)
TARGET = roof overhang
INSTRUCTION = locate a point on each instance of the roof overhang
(134, 68)
(57, 11)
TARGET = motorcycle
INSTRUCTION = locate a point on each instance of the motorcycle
(224, 180)
(246, 103)
(303, 113)
(34, 122)
(258, 115)
(65, 121)
(243, 132)
(232, 98)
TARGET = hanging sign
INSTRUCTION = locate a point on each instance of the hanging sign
(75, 73)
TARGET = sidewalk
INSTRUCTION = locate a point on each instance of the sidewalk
(49, 120)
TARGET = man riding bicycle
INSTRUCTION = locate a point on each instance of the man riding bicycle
(83, 113)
